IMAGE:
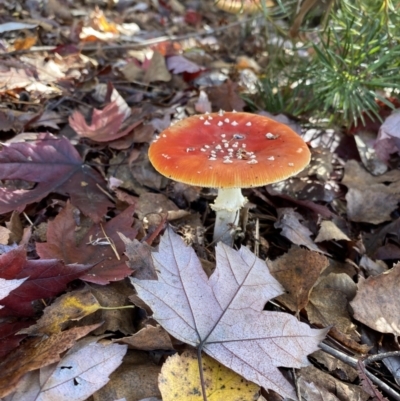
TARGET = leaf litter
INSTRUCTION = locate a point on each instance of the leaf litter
(69, 241)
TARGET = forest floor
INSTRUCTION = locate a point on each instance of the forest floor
(85, 88)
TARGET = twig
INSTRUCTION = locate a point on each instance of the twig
(379, 357)
(353, 363)
(111, 242)
(141, 43)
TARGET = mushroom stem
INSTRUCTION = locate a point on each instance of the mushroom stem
(227, 206)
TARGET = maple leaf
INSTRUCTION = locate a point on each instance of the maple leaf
(82, 371)
(61, 244)
(55, 166)
(43, 279)
(105, 125)
(223, 314)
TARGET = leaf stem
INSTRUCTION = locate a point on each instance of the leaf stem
(200, 362)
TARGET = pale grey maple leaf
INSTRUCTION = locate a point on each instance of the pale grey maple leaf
(224, 314)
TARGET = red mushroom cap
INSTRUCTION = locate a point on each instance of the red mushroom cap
(229, 150)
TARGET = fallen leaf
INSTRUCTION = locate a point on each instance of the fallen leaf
(329, 387)
(376, 302)
(83, 370)
(157, 69)
(35, 353)
(370, 198)
(298, 271)
(330, 231)
(293, 230)
(25, 43)
(116, 309)
(55, 166)
(225, 97)
(105, 124)
(342, 370)
(149, 338)
(388, 141)
(328, 303)
(134, 380)
(224, 314)
(139, 259)
(180, 381)
(70, 306)
(178, 64)
(9, 339)
(43, 279)
(93, 248)
(6, 286)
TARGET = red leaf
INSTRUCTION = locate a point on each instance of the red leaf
(61, 244)
(8, 338)
(105, 124)
(45, 278)
(56, 166)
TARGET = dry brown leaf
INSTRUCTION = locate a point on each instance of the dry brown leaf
(139, 259)
(157, 70)
(114, 295)
(377, 301)
(136, 379)
(149, 338)
(293, 230)
(327, 386)
(369, 199)
(225, 97)
(329, 231)
(341, 369)
(328, 304)
(4, 235)
(298, 271)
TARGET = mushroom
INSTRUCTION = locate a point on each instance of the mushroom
(228, 151)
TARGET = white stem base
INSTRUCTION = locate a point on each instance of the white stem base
(227, 206)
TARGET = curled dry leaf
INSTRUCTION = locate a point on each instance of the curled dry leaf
(224, 313)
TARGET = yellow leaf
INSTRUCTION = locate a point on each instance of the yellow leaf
(71, 306)
(180, 380)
